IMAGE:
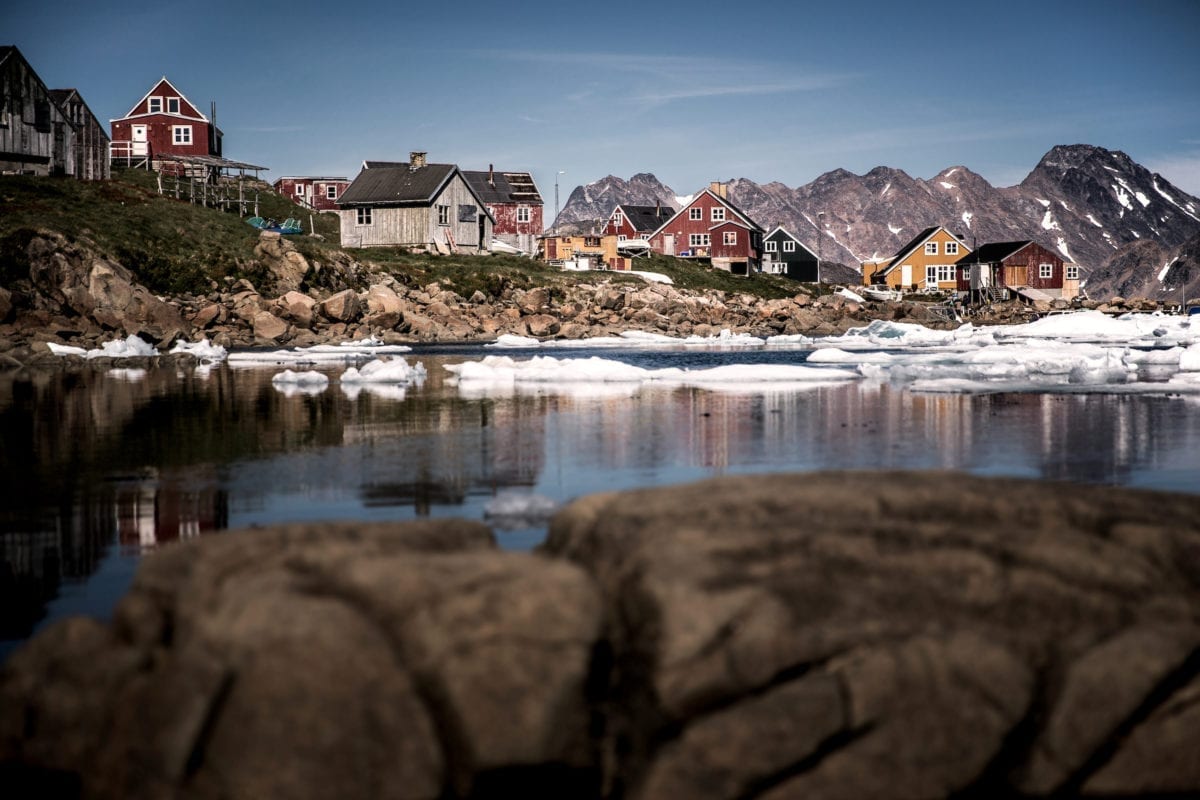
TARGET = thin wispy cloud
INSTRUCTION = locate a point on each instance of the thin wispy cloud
(273, 129)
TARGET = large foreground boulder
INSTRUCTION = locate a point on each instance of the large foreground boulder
(829, 635)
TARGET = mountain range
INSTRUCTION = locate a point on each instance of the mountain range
(1130, 230)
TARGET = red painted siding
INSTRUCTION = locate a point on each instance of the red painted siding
(625, 229)
(741, 247)
(506, 219)
(684, 228)
(1022, 268)
(314, 191)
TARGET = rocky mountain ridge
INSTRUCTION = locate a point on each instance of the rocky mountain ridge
(1087, 203)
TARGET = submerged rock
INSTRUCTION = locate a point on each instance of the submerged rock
(833, 635)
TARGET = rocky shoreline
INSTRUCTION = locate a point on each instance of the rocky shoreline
(75, 297)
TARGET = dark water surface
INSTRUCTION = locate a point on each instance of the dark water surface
(99, 469)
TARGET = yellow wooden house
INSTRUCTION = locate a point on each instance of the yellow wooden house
(927, 263)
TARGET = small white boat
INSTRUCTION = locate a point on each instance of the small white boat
(881, 293)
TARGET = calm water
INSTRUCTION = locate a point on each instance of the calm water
(99, 469)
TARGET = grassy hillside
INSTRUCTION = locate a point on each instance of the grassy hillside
(176, 247)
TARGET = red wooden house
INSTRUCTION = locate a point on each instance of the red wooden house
(1023, 268)
(163, 123)
(629, 222)
(514, 202)
(320, 194)
(712, 227)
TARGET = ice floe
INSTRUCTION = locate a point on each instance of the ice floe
(129, 347)
(395, 370)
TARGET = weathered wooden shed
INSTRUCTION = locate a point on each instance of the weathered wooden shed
(414, 205)
(35, 135)
(88, 156)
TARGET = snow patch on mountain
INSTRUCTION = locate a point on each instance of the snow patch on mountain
(966, 218)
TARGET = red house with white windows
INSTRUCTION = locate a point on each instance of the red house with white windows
(630, 222)
(712, 227)
(320, 194)
(164, 123)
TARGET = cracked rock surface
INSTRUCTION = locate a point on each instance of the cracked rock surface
(769, 636)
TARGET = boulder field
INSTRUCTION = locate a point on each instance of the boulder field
(833, 635)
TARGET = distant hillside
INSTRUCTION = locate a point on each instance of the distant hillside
(1086, 202)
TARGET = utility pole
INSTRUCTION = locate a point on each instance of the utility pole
(560, 172)
(820, 242)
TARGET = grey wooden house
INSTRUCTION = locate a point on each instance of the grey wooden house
(414, 205)
(46, 131)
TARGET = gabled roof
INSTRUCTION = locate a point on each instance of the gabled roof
(734, 222)
(994, 252)
(645, 218)
(915, 243)
(784, 232)
(198, 115)
(402, 185)
(63, 97)
(722, 200)
(503, 187)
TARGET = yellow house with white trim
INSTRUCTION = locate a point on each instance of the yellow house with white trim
(924, 264)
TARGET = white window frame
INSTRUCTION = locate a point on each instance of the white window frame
(154, 105)
(771, 247)
(523, 214)
(443, 215)
(298, 189)
(621, 237)
(951, 248)
(172, 105)
(931, 248)
(789, 246)
(695, 213)
(699, 240)
(729, 238)
(931, 275)
(1072, 272)
(181, 134)
(363, 216)
(718, 214)
(331, 191)
(618, 218)
(946, 273)
(1045, 271)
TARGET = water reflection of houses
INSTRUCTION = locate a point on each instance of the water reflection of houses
(149, 513)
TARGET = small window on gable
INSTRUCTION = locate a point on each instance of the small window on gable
(951, 248)
(931, 248)
(172, 105)
(789, 246)
(618, 218)
(1045, 270)
(154, 106)
(771, 247)
(331, 191)
(695, 213)
(718, 214)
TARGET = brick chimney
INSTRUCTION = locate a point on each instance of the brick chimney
(416, 159)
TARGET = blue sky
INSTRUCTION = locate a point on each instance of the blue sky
(692, 92)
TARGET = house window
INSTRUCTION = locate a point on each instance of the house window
(730, 237)
(1072, 272)
(695, 213)
(618, 218)
(698, 239)
(718, 214)
(181, 134)
(172, 105)
(771, 247)
(931, 248)
(299, 190)
(364, 216)
(591, 241)
(331, 191)
(443, 215)
(938, 273)
(789, 247)
(154, 106)
(621, 237)
(523, 214)
(1045, 270)
(951, 248)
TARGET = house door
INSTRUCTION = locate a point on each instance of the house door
(551, 250)
(669, 244)
(483, 246)
(139, 140)
(906, 275)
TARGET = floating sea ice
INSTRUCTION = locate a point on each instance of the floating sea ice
(1189, 359)
(513, 510)
(380, 371)
(293, 383)
(118, 348)
(65, 349)
(203, 350)
(508, 340)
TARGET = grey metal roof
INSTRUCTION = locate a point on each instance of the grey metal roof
(503, 187)
(396, 185)
(993, 252)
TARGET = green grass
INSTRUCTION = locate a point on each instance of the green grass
(176, 247)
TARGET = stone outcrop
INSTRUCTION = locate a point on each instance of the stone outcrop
(826, 635)
(70, 280)
(286, 265)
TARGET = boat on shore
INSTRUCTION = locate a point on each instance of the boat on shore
(289, 226)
